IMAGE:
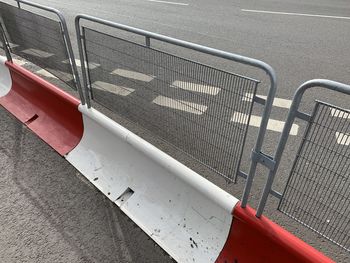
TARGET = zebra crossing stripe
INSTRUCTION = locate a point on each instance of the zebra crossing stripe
(196, 87)
(278, 102)
(273, 125)
(118, 90)
(180, 105)
(132, 75)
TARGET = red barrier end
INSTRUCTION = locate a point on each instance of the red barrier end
(48, 111)
(253, 239)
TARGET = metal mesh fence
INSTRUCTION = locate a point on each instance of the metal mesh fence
(2, 47)
(37, 39)
(201, 110)
(318, 190)
(1, 39)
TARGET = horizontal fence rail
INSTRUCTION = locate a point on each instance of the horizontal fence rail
(201, 110)
(40, 40)
(317, 193)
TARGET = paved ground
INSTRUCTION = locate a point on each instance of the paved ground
(299, 47)
(50, 213)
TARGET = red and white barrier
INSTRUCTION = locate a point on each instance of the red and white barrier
(185, 214)
(48, 111)
(189, 217)
(253, 239)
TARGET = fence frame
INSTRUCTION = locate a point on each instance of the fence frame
(66, 38)
(203, 49)
(292, 115)
(5, 42)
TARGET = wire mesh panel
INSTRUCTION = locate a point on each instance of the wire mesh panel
(1, 39)
(199, 109)
(38, 39)
(318, 190)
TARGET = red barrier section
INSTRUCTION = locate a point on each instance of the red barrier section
(260, 240)
(48, 111)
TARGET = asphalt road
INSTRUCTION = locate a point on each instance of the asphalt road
(300, 40)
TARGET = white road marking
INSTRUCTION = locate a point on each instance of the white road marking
(78, 63)
(37, 53)
(273, 125)
(343, 138)
(294, 14)
(166, 2)
(13, 45)
(45, 73)
(118, 90)
(132, 75)
(196, 87)
(278, 102)
(180, 105)
(19, 62)
(340, 114)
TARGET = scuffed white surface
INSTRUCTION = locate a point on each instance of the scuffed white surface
(188, 216)
(5, 77)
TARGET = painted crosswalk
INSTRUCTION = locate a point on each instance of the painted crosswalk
(273, 125)
(37, 53)
(92, 65)
(132, 75)
(118, 90)
(182, 105)
(45, 73)
(278, 102)
(195, 87)
(191, 107)
(19, 62)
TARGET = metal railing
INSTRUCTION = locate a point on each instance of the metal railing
(317, 191)
(193, 106)
(201, 110)
(40, 40)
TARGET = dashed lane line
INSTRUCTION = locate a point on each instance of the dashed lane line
(295, 14)
(167, 2)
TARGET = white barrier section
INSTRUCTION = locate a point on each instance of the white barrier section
(5, 78)
(188, 216)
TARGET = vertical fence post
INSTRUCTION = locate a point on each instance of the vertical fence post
(148, 41)
(293, 113)
(66, 39)
(261, 134)
(82, 60)
(5, 43)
